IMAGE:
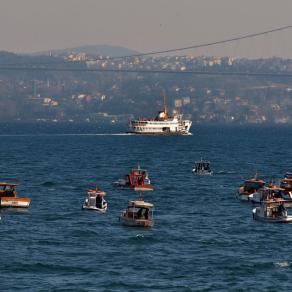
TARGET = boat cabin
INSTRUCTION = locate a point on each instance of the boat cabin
(7, 189)
(137, 177)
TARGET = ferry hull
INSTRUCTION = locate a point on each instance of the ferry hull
(160, 133)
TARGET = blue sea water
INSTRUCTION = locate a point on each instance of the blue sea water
(204, 239)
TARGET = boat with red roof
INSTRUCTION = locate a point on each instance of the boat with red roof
(95, 200)
(137, 179)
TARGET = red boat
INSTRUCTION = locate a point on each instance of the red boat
(137, 179)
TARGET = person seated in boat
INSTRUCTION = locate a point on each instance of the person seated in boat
(139, 213)
(146, 214)
(98, 202)
(140, 181)
(281, 210)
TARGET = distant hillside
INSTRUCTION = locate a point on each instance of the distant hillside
(104, 50)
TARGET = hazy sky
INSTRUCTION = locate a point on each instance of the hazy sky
(36, 25)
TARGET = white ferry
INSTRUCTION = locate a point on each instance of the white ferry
(163, 124)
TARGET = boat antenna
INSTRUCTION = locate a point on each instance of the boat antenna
(256, 174)
(164, 101)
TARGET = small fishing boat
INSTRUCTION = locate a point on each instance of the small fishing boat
(202, 168)
(95, 200)
(9, 199)
(137, 179)
(267, 193)
(249, 187)
(138, 214)
(272, 211)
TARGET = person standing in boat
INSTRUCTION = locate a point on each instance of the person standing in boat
(98, 202)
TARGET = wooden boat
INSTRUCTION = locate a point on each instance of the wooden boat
(95, 200)
(272, 211)
(137, 179)
(266, 193)
(138, 214)
(202, 168)
(249, 187)
(9, 199)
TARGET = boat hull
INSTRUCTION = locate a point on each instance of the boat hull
(12, 202)
(144, 188)
(103, 210)
(202, 173)
(136, 222)
(280, 219)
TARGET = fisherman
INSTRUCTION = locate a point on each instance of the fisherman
(139, 213)
(98, 202)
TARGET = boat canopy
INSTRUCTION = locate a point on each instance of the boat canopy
(97, 192)
(140, 204)
(254, 182)
(4, 184)
(274, 188)
(273, 202)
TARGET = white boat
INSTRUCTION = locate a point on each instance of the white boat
(163, 124)
(138, 214)
(202, 168)
(95, 201)
(272, 211)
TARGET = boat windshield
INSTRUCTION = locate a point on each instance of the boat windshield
(7, 190)
(139, 213)
(203, 165)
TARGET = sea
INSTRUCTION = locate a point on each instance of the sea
(204, 238)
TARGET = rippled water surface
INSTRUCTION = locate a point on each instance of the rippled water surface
(203, 238)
